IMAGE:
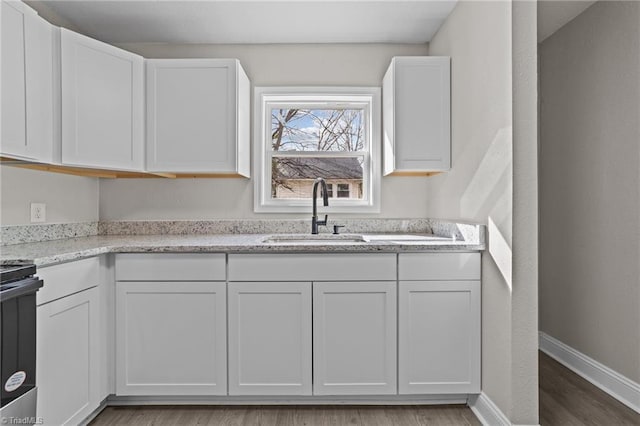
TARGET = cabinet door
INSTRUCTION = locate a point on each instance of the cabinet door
(67, 356)
(191, 115)
(39, 63)
(417, 135)
(102, 104)
(270, 338)
(439, 337)
(354, 338)
(171, 338)
(14, 118)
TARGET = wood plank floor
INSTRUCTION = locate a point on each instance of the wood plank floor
(448, 415)
(566, 399)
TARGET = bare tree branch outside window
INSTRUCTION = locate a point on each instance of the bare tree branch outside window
(315, 131)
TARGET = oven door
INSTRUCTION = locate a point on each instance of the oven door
(18, 339)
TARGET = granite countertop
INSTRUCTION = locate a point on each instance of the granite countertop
(63, 250)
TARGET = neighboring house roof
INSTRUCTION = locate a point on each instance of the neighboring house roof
(326, 168)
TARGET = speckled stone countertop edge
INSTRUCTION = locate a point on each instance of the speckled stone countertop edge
(59, 251)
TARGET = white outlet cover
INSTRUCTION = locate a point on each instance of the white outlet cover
(38, 212)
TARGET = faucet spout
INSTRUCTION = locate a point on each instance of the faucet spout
(325, 201)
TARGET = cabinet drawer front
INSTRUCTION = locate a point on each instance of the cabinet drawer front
(170, 267)
(67, 278)
(312, 267)
(439, 266)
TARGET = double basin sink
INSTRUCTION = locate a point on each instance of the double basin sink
(324, 239)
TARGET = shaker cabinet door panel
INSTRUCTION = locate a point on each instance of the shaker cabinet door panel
(195, 115)
(27, 84)
(354, 336)
(270, 338)
(67, 356)
(102, 104)
(171, 338)
(416, 115)
(14, 98)
(439, 337)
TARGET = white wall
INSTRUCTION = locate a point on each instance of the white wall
(295, 64)
(477, 36)
(480, 37)
(590, 185)
(67, 198)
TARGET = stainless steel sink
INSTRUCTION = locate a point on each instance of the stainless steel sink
(404, 238)
(313, 239)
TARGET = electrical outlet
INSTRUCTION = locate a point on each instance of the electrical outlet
(38, 212)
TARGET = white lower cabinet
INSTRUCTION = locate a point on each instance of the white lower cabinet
(270, 338)
(354, 338)
(67, 354)
(439, 337)
(171, 338)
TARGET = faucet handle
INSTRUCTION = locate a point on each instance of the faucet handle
(323, 222)
(336, 229)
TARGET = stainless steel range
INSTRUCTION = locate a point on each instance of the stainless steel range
(18, 287)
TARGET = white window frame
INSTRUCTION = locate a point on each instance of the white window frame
(329, 97)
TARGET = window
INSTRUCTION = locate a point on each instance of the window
(304, 133)
(343, 190)
(330, 190)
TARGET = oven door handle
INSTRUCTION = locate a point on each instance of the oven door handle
(20, 288)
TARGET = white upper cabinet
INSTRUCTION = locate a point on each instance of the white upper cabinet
(197, 116)
(27, 84)
(102, 105)
(416, 115)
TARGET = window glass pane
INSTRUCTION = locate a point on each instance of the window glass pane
(293, 177)
(297, 129)
(343, 190)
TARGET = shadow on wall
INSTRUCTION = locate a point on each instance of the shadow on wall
(490, 193)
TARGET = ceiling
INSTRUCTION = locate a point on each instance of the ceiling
(240, 21)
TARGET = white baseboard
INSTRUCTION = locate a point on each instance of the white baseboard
(486, 411)
(615, 384)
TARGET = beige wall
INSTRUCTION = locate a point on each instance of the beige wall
(68, 198)
(295, 64)
(478, 36)
(590, 185)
